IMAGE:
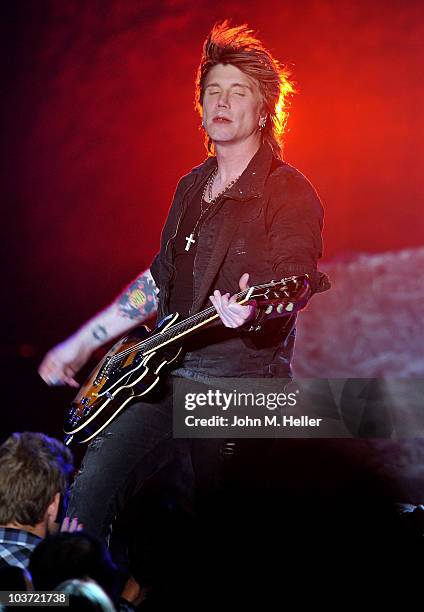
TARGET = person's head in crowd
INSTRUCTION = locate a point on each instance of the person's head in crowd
(14, 578)
(73, 555)
(86, 596)
(34, 475)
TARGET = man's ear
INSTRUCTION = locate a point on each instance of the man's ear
(51, 515)
(53, 507)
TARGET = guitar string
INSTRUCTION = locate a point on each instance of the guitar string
(182, 325)
(179, 327)
(159, 338)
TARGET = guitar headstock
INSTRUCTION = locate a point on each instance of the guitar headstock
(287, 294)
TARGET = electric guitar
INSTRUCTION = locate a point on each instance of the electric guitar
(133, 366)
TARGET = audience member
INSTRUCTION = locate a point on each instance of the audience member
(86, 596)
(67, 556)
(34, 477)
(14, 578)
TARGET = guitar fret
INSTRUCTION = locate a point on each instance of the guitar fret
(177, 329)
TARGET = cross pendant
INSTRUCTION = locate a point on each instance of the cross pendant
(190, 240)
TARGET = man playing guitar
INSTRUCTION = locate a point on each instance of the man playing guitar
(242, 217)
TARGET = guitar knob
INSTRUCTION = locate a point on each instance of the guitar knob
(280, 308)
(269, 309)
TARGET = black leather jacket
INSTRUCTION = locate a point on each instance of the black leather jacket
(268, 224)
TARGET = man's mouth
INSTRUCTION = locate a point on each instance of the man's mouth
(221, 120)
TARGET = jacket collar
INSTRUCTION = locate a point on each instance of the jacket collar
(251, 182)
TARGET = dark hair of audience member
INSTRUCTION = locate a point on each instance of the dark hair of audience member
(73, 555)
(13, 578)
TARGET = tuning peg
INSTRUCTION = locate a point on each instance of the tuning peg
(269, 309)
(280, 308)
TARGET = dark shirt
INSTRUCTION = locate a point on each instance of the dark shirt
(181, 287)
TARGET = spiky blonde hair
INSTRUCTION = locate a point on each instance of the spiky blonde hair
(238, 46)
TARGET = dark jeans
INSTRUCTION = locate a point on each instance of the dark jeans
(125, 456)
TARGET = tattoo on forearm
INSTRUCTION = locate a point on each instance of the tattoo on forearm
(99, 333)
(139, 299)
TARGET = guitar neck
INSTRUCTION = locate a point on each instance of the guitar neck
(187, 326)
(290, 291)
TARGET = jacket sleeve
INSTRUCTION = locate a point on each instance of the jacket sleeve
(294, 221)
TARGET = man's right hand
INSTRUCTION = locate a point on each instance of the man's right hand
(62, 362)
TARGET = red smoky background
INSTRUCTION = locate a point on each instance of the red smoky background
(98, 124)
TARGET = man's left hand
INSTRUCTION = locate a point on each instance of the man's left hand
(231, 313)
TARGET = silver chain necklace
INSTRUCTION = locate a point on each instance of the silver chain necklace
(208, 188)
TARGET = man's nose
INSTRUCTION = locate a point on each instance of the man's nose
(224, 99)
